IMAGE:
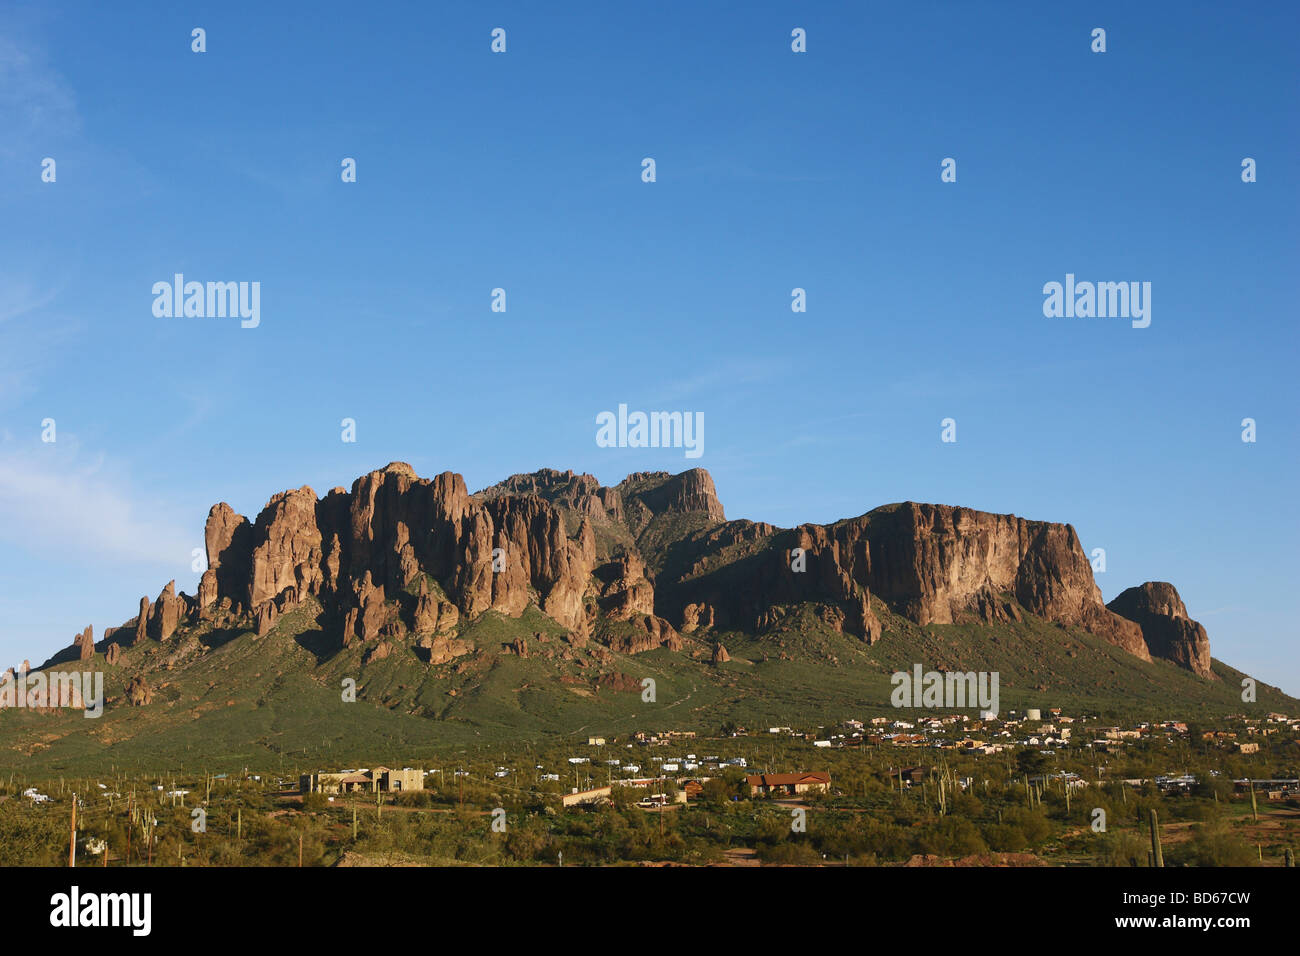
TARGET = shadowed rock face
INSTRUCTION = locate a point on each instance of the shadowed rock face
(228, 540)
(1168, 631)
(654, 549)
(931, 563)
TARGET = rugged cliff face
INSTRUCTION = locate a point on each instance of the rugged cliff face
(355, 550)
(399, 558)
(938, 563)
(930, 563)
(1166, 628)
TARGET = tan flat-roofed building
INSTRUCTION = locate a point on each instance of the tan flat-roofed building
(380, 779)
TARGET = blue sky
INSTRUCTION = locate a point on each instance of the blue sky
(775, 170)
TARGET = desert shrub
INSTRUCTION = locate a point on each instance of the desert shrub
(790, 853)
(1122, 848)
(1005, 838)
(414, 798)
(1212, 844)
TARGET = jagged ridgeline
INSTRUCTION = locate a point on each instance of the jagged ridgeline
(539, 605)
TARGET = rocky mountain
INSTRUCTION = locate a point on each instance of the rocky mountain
(404, 561)
(1167, 630)
(409, 614)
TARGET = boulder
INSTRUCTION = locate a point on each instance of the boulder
(85, 644)
(266, 617)
(648, 632)
(627, 592)
(439, 649)
(138, 692)
(378, 653)
(696, 617)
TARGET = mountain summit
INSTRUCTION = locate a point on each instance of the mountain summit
(401, 559)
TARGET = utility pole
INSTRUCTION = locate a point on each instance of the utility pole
(72, 841)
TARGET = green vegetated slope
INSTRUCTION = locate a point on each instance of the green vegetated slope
(226, 700)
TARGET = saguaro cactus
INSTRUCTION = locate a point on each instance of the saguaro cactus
(1157, 857)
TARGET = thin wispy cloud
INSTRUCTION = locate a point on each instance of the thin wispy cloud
(29, 335)
(731, 373)
(36, 102)
(57, 501)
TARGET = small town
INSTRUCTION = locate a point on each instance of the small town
(1042, 787)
